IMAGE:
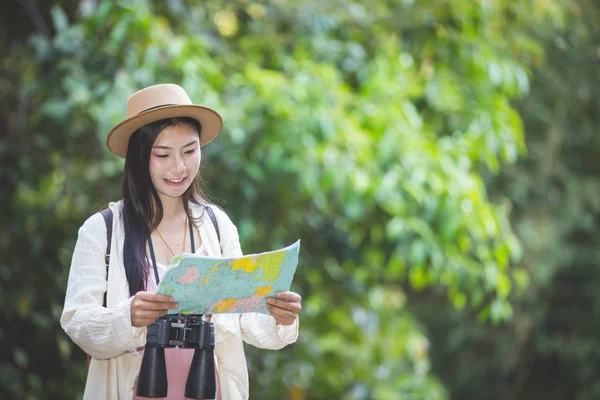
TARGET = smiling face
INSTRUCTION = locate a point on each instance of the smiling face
(175, 160)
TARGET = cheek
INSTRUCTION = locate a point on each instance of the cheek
(195, 160)
(155, 164)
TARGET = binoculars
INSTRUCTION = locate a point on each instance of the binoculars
(186, 331)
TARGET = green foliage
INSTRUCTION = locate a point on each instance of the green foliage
(549, 349)
(365, 130)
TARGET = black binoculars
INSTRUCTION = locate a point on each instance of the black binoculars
(187, 331)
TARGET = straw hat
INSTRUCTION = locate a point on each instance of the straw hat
(158, 102)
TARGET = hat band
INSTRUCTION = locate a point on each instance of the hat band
(152, 108)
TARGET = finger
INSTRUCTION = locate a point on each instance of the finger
(148, 314)
(279, 320)
(286, 305)
(281, 313)
(155, 297)
(284, 321)
(155, 305)
(289, 296)
(143, 322)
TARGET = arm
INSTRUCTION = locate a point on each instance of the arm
(261, 331)
(101, 332)
(257, 329)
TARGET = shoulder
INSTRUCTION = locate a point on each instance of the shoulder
(223, 220)
(220, 214)
(116, 207)
(95, 222)
(93, 232)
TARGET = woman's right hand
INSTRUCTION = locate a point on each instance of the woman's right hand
(146, 307)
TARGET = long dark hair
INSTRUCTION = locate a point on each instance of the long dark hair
(142, 210)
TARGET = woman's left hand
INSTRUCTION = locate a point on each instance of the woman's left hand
(285, 307)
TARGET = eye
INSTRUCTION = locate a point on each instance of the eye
(161, 155)
(190, 151)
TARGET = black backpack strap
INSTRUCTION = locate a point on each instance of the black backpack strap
(108, 220)
(213, 218)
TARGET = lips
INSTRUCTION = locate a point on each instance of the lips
(175, 182)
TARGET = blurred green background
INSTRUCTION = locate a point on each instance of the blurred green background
(439, 159)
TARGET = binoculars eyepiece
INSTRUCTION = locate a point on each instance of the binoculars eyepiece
(187, 331)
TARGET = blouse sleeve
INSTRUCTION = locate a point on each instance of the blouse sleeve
(257, 329)
(101, 332)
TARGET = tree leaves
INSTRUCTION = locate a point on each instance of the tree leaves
(364, 131)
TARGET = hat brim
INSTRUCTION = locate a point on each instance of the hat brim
(211, 122)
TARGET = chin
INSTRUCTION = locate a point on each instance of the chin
(174, 193)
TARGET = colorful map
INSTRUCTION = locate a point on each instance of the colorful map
(212, 285)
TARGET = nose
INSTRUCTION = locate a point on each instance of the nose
(177, 167)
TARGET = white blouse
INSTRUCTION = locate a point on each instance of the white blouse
(107, 335)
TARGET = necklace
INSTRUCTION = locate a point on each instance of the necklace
(184, 237)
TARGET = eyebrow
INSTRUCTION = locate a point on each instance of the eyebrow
(170, 148)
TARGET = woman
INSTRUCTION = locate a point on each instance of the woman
(160, 141)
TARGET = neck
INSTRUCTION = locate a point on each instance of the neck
(172, 207)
